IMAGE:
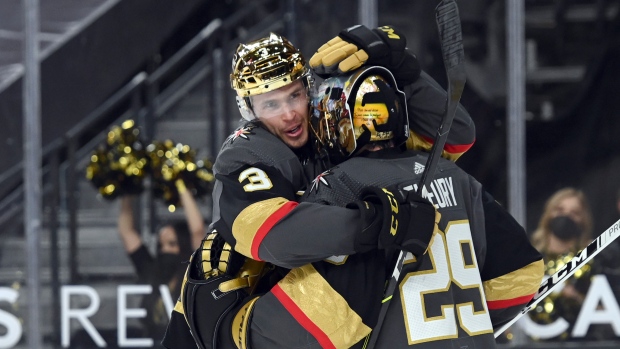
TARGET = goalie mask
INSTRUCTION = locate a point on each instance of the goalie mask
(353, 110)
(265, 65)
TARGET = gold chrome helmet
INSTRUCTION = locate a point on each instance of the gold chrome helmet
(352, 110)
(265, 65)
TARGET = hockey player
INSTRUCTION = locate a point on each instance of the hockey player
(271, 81)
(451, 297)
(259, 171)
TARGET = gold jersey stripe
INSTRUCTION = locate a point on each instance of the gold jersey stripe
(248, 222)
(416, 142)
(325, 307)
(519, 283)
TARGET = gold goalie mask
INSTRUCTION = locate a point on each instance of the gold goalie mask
(353, 110)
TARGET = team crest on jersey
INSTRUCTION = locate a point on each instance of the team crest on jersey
(320, 180)
(242, 132)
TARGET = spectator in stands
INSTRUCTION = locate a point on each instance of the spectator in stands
(568, 203)
(564, 229)
(176, 240)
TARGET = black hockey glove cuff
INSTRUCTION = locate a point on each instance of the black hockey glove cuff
(371, 220)
(358, 45)
(408, 222)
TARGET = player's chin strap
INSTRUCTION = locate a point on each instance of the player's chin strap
(581, 259)
(244, 108)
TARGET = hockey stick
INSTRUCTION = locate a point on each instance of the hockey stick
(583, 257)
(451, 39)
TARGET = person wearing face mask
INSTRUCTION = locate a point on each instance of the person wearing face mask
(564, 229)
(570, 203)
(176, 240)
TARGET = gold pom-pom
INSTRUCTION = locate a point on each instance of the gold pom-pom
(171, 161)
(119, 165)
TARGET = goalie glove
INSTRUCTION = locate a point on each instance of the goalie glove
(355, 46)
(218, 279)
(408, 220)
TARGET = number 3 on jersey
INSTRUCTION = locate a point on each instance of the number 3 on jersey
(258, 179)
(425, 320)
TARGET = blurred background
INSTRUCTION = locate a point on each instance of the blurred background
(166, 66)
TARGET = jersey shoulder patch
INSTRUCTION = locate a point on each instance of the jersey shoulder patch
(242, 132)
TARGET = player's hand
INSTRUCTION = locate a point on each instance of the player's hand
(356, 46)
(409, 221)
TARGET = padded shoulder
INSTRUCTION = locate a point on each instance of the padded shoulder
(252, 145)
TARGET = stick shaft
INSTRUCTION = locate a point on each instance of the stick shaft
(451, 38)
(583, 257)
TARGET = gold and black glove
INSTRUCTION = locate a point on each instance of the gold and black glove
(215, 291)
(385, 46)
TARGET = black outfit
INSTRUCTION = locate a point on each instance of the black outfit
(151, 271)
(259, 181)
(453, 297)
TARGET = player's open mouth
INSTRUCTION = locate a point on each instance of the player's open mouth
(294, 132)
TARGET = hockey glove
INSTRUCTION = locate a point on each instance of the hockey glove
(353, 47)
(371, 220)
(408, 220)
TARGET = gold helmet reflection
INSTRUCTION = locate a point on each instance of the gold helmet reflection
(355, 109)
(265, 65)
